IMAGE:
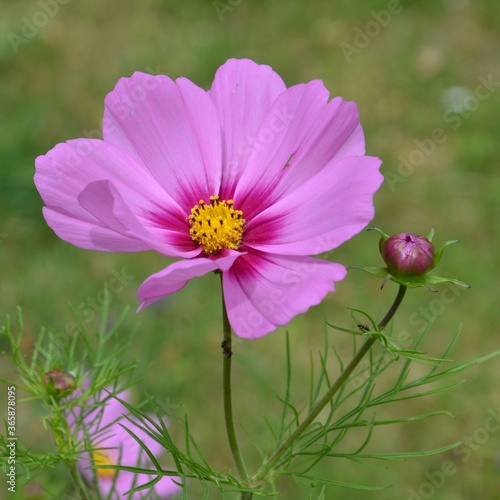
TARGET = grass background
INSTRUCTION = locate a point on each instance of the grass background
(52, 88)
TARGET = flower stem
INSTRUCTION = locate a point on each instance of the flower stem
(64, 442)
(260, 475)
(227, 354)
(392, 311)
(81, 488)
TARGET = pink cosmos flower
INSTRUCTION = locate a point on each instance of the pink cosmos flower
(249, 178)
(111, 444)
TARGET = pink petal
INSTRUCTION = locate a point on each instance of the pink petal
(327, 210)
(176, 275)
(170, 127)
(98, 427)
(113, 410)
(84, 467)
(102, 426)
(101, 410)
(104, 202)
(65, 171)
(132, 454)
(90, 236)
(123, 438)
(242, 92)
(263, 292)
(166, 487)
(301, 133)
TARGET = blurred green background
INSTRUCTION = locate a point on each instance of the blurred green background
(413, 68)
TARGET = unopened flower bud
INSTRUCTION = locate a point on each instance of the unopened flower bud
(407, 255)
(59, 382)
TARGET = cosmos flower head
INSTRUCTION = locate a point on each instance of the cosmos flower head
(100, 425)
(249, 179)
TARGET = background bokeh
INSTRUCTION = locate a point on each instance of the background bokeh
(414, 68)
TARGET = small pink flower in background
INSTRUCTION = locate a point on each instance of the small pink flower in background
(112, 445)
(59, 383)
(249, 178)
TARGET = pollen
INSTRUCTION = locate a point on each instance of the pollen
(216, 225)
(100, 457)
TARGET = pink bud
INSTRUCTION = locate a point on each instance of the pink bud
(407, 255)
(63, 382)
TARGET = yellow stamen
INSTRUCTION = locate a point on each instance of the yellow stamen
(100, 457)
(217, 225)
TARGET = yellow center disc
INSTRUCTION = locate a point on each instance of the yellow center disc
(100, 457)
(217, 225)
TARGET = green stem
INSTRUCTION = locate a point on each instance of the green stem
(64, 443)
(261, 473)
(227, 354)
(392, 311)
(80, 486)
